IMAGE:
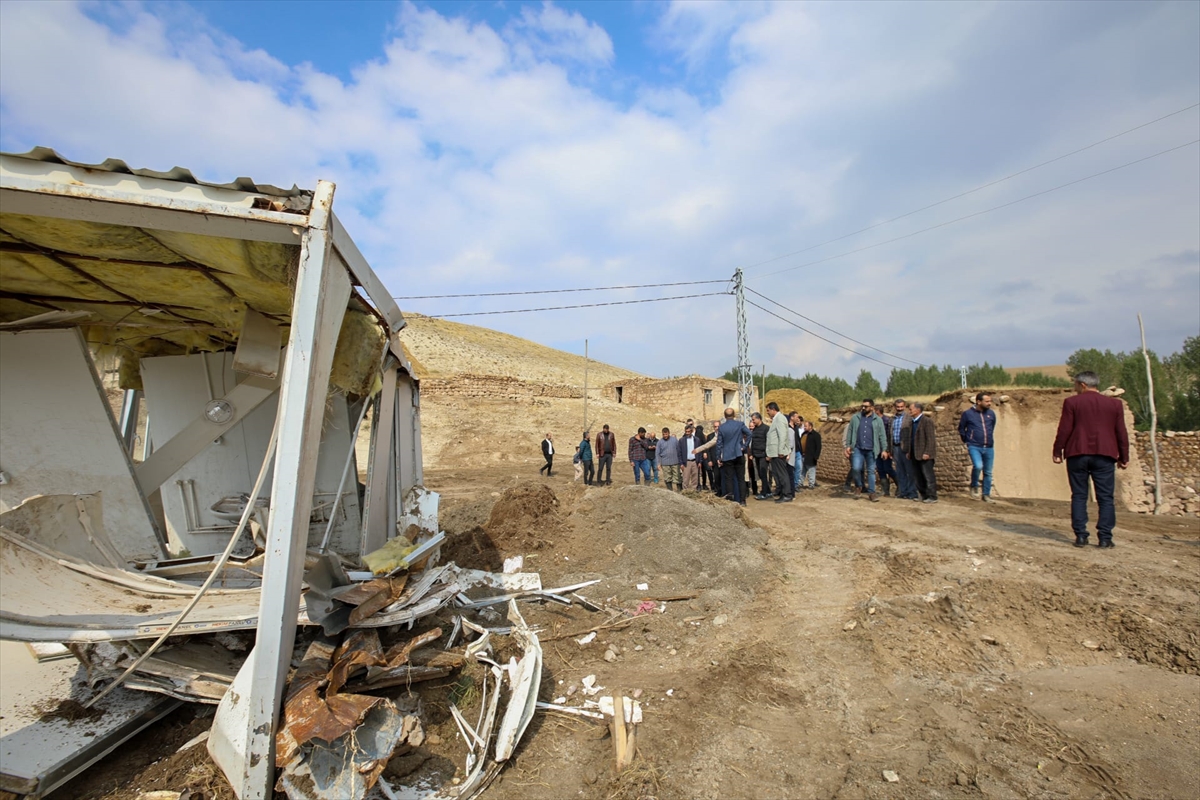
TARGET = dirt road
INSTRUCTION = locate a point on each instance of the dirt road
(966, 648)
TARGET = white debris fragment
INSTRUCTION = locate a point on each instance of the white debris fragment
(513, 564)
(633, 709)
(560, 700)
(890, 776)
(851, 625)
(589, 686)
(670, 692)
(641, 587)
(591, 637)
(720, 619)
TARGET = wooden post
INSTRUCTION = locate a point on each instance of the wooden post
(585, 382)
(1153, 422)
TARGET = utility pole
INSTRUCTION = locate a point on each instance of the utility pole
(585, 382)
(962, 373)
(1153, 421)
(745, 379)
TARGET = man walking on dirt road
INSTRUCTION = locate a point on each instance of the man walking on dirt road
(977, 429)
(922, 450)
(1093, 439)
(548, 454)
(867, 440)
(606, 448)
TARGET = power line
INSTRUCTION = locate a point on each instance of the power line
(819, 336)
(985, 211)
(586, 305)
(557, 291)
(976, 189)
(831, 330)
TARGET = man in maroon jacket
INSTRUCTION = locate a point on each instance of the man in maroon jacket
(1092, 438)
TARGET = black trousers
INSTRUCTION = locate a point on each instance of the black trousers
(1102, 471)
(926, 480)
(764, 474)
(731, 479)
(589, 471)
(779, 473)
(548, 466)
(604, 471)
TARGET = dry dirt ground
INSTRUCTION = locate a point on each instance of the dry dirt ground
(969, 649)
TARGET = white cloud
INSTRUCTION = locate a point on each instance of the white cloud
(476, 157)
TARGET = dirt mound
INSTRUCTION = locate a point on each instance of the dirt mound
(523, 516)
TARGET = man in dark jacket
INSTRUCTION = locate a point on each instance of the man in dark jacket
(585, 457)
(758, 455)
(1093, 439)
(922, 451)
(548, 454)
(977, 429)
(810, 451)
(899, 432)
(637, 457)
(606, 448)
(732, 438)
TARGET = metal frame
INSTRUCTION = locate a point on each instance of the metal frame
(330, 263)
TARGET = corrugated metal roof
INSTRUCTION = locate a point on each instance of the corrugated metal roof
(298, 199)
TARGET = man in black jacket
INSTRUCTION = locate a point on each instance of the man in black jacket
(548, 454)
(810, 447)
(758, 454)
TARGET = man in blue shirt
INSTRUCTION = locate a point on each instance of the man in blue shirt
(867, 441)
(977, 429)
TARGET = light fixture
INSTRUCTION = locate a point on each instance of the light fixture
(219, 412)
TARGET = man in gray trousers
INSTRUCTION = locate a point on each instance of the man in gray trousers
(779, 446)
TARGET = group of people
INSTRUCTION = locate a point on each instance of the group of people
(774, 458)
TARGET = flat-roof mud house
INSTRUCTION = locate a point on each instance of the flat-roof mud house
(692, 396)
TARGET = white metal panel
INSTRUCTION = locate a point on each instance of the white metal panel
(176, 393)
(58, 435)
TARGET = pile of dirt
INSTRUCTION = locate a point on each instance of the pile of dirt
(523, 517)
(790, 400)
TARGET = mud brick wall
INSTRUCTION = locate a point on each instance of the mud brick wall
(1179, 463)
(678, 398)
(494, 387)
(952, 466)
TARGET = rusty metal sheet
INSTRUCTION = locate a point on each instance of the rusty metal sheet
(387, 594)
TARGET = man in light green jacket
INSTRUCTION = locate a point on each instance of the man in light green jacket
(866, 439)
(779, 446)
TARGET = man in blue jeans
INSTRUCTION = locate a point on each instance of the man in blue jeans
(899, 435)
(977, 429)
(637, 457)
(866, 440)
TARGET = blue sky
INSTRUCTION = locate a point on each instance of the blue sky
(501, 146)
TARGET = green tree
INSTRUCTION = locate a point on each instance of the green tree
(867, 386)
(1107, 365)
(1040, 380)
(1182, 373)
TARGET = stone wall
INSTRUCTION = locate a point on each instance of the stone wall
(678, 398)
(952, 466)
(1179, 463)
(494, 387)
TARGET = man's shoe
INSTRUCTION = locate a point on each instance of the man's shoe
(762, 497)
(987, 499)
(1106, 543)
(975, 491)
(1081, 541)
(874, 498)
(780, 500)
(789, 498)
(742, 503)
(930, 500)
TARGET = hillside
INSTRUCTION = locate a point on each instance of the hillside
(440, 348)
(1053, 370)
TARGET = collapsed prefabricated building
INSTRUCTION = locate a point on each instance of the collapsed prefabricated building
(243, 315)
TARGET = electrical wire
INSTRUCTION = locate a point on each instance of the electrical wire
(972, 191)
(556, 291)
(985, 211)
(822, 338)
(831, 330)
(586, 305)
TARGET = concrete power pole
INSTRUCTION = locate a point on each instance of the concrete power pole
(745, 378)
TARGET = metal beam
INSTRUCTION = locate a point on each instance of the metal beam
(366, 277)
(96, 204)
(379, 472)
(322, 292)
(171, 456)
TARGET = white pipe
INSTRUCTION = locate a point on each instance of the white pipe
(212, 576)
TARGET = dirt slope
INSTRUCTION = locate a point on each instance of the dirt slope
(441, 348)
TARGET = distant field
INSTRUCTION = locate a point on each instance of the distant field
(1053, 370)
